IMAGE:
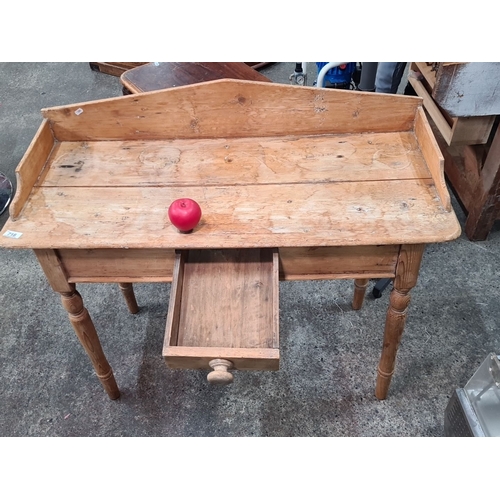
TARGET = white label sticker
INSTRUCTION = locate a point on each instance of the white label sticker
(156, 63)
(12, 234)
(79, 111)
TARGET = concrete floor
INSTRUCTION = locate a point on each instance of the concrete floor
(329, 353)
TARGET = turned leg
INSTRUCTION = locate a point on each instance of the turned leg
(359, 293)
(128, 293)
(85, 330)
(82, 323)
(407, 269)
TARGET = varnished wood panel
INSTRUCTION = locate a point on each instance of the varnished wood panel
(163, 75)
(114, 68)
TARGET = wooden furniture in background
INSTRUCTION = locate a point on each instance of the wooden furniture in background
(463, 102)
(152, 80)
(114, 68)
(294, 183)
(163, 75)
(464, 88)
(452, 101)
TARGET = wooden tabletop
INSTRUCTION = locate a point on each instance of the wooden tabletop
(257, 189)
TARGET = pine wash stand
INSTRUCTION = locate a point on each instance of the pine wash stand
(295, 183)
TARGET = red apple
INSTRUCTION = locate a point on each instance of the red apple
(184, 214)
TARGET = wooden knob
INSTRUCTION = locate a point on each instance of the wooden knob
(220, 375)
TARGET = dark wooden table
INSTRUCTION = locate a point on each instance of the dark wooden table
(163, 75)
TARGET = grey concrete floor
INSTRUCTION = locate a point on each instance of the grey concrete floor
(329, 353)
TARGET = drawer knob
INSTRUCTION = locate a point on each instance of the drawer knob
(220, 375)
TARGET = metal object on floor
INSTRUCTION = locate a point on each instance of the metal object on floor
(5, 192)
(380, 286)
(460, 420)
(474, 411)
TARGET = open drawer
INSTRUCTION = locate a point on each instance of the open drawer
(224, 312)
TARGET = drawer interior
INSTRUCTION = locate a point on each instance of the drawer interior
(224, 305)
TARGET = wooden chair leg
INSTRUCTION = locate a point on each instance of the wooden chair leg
(128, 292)
(359, 292)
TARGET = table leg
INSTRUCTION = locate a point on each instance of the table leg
(128, 292)
(359, 293)
(80, 319)
(85, 330)
(407, 268)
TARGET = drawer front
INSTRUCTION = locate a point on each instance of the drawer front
(338, 262)
(242, 359)
(118, 265)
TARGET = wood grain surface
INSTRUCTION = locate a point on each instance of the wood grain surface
(263, 160)
(232, 108)
(271, 166)
(252, 216)
(224, 304)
